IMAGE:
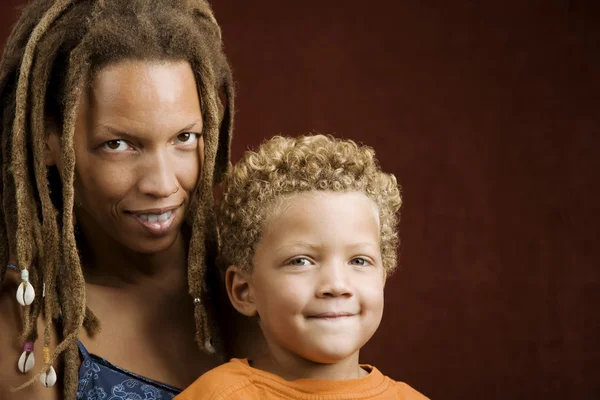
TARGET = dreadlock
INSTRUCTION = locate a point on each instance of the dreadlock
(48, 63)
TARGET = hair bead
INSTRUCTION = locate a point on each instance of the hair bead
(25, 291)
(27, 359)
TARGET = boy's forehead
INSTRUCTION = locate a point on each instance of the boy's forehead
(301, 212)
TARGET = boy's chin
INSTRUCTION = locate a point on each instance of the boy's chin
(331, 357)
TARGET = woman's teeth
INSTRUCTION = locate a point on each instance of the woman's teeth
(156, 217)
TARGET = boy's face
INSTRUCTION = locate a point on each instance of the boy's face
(317, 280)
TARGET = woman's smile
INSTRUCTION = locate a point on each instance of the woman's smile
(156, 221)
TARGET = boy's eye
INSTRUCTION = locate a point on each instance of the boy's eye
(299, 262)
(116, 145)
(359, 261)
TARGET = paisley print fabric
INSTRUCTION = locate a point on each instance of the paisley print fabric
(100, 380)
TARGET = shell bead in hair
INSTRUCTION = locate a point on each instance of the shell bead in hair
(25, 292)
(27, 360)
(209, 346)
(48, 378)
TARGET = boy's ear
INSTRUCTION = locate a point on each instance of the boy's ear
(239, 290)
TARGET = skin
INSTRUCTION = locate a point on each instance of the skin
(139, 150)
(316, 285)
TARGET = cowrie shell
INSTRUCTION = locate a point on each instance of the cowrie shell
(209, 347)
(48, 378)
(25, 294)
(26, 362)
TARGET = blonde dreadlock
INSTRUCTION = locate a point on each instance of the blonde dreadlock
(50, 58)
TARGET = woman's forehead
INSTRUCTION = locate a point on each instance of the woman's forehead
(145, 78)
(141, 98)
(144, 87)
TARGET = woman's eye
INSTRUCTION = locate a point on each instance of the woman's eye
(116, 145)
(187, 138)
(299, 262)
(359, 261)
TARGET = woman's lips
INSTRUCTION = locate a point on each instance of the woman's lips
(157, 223)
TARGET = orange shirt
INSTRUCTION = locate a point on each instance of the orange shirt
(238, 380)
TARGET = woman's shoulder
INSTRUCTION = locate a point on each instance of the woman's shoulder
(10, 349)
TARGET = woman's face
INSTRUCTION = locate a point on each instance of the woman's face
(139, 153)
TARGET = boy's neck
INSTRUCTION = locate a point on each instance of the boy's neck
(291, 367)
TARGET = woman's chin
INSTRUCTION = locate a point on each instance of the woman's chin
(149, 246)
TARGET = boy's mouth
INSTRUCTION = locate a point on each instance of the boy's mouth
(332, 315)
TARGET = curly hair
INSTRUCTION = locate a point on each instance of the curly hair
(49, 60)
(283, 167)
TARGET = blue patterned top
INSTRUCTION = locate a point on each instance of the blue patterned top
(100, 380)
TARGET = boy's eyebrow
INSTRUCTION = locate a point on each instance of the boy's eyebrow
(363, 244)
(299, 244)
(312, 246)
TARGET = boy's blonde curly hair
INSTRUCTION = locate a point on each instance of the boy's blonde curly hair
(285, 166)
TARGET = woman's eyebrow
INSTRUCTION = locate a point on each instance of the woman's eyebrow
(126, 135)
(190, 126)
(116, 132)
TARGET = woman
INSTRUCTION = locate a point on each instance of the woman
(113, 134)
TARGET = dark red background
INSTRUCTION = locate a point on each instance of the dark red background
(488, 113)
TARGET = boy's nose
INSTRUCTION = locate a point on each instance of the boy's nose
(334, 282)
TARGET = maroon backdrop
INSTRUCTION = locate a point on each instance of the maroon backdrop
(488, 113)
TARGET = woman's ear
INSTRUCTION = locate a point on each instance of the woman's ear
(52, 149)
(239, 290)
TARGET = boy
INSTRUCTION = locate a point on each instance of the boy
(308, 230)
